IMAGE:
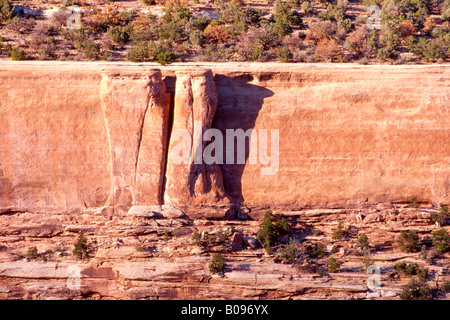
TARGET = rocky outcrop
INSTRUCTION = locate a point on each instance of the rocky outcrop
(136, 109)
(153, 256)
(190, 180)
(104, 138)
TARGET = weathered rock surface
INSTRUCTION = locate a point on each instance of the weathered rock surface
(136, 109)
(190, 180)
(127, 262)
(99, 136)
(90, 148)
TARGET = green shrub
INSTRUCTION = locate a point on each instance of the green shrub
(334, 249)
(362, 242)
(307, 7)
(373, 39)
(333, 265)
(196, 238)
(400, 266)
(266, 234)
(217, 263)
(282, 27)
(163, 54)
(333, 13)
(166, 235)
(281, 226)
(6, 10)
(222, 236)
(345, 24)
(411, 270)
(416, 290)
(200, 23)
(428, 50)
(32, 253)
(441, 241)
(172, 31)
(339, 233)
(395, 11)
(89, 48)
(270, 229)
(290, 252)
(120, 34)
(442, 216)
(81, 247)
(139, 52)
(316, 250)
(18, 54)
(197, 38)
(408, 241)
(285, 54)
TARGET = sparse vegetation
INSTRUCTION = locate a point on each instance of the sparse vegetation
(316, 250)
(166, 235)
(17, 54)
(163, 53)
(290, 252)
(408, 241)
(367, 260)
(333, 265)
(441, 217)
(270, 229)
(81, 247)
(32, 253)
(412, 200)
(362, 242)
(441, 241)
(6, 10)
(217, 263)
(411, 270)
(339, 233)
(196, 238)
(325, 31)
(416, 290)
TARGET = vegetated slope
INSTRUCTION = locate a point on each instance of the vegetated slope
(395, 31)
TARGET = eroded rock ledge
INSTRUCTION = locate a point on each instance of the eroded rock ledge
(151, 255)
(92, 150)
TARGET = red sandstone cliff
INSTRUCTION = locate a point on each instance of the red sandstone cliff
(89, 148)
(98, 137)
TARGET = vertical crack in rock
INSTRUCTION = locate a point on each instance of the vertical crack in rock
(189, 180)
(135, 108)
(104, 97)
(140, 142)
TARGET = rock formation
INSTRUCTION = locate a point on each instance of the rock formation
(96, 149)
(136, 110)
(103, 137)
(191, 181)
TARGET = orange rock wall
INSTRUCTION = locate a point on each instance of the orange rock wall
(76, 137)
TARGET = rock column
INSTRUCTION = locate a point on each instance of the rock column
(189, 179)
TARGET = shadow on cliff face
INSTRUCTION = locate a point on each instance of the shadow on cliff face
(239, 106)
